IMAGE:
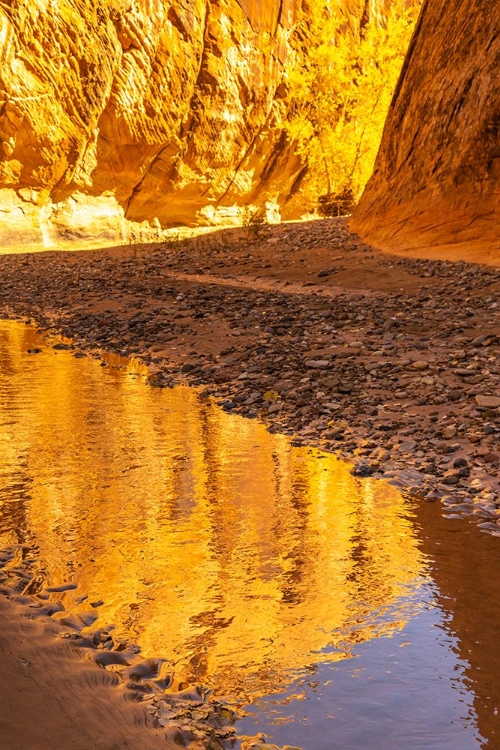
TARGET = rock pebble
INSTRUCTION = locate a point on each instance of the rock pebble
(490, 402)
(393, 362)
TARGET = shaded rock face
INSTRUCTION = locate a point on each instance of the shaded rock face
(119, 111)
(436, 185)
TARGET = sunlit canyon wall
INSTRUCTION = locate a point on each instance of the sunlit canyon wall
(436, 184)
(122, 117)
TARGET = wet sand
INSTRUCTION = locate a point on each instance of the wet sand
(52, 698)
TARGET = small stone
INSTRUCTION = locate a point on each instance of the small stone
(275, 408)
(475, 379)
(381, 454)
(491, 457)
(362, 469)
(482, 340)
(317, 364)
(449, 432)
(408, 446)
(420, 365)
(443, 447)
(489, 402)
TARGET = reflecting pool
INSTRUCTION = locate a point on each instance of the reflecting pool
(332, 610)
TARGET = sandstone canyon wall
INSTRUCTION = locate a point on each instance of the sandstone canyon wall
(435, 189)
(151, 110)
(122, 117)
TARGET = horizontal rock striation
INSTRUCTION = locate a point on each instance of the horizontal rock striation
(435, 190)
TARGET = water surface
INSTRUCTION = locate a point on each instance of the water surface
(336, 612)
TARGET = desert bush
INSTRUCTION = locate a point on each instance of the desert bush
(339, 98)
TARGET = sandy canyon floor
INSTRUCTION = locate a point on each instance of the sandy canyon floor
(387, 361)
(390, 361)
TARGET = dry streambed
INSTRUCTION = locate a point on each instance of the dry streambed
(390, 362)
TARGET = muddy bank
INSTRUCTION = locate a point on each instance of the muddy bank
(391, 362)
(52, 697)
(86, 688)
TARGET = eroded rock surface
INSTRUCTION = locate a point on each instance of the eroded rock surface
(119, 118)
(150, 110)
(436, 185)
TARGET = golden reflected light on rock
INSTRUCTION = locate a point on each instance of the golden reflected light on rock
(435, 189)
(121, 119)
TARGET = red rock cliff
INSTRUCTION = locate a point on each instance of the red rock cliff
(435, 190)
(156, 110)
(121, 116)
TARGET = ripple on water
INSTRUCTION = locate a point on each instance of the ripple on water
(312, 600)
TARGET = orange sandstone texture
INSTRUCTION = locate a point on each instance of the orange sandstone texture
(153, 110)
(435, 190)
(119, 118)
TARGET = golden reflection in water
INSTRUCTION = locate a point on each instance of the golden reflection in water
(210, 541)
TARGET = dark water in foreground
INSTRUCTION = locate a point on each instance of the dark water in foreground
(338, 613)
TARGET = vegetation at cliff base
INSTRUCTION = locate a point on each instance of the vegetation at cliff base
(338, 101)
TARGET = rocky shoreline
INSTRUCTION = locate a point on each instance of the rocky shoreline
(389, 362)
